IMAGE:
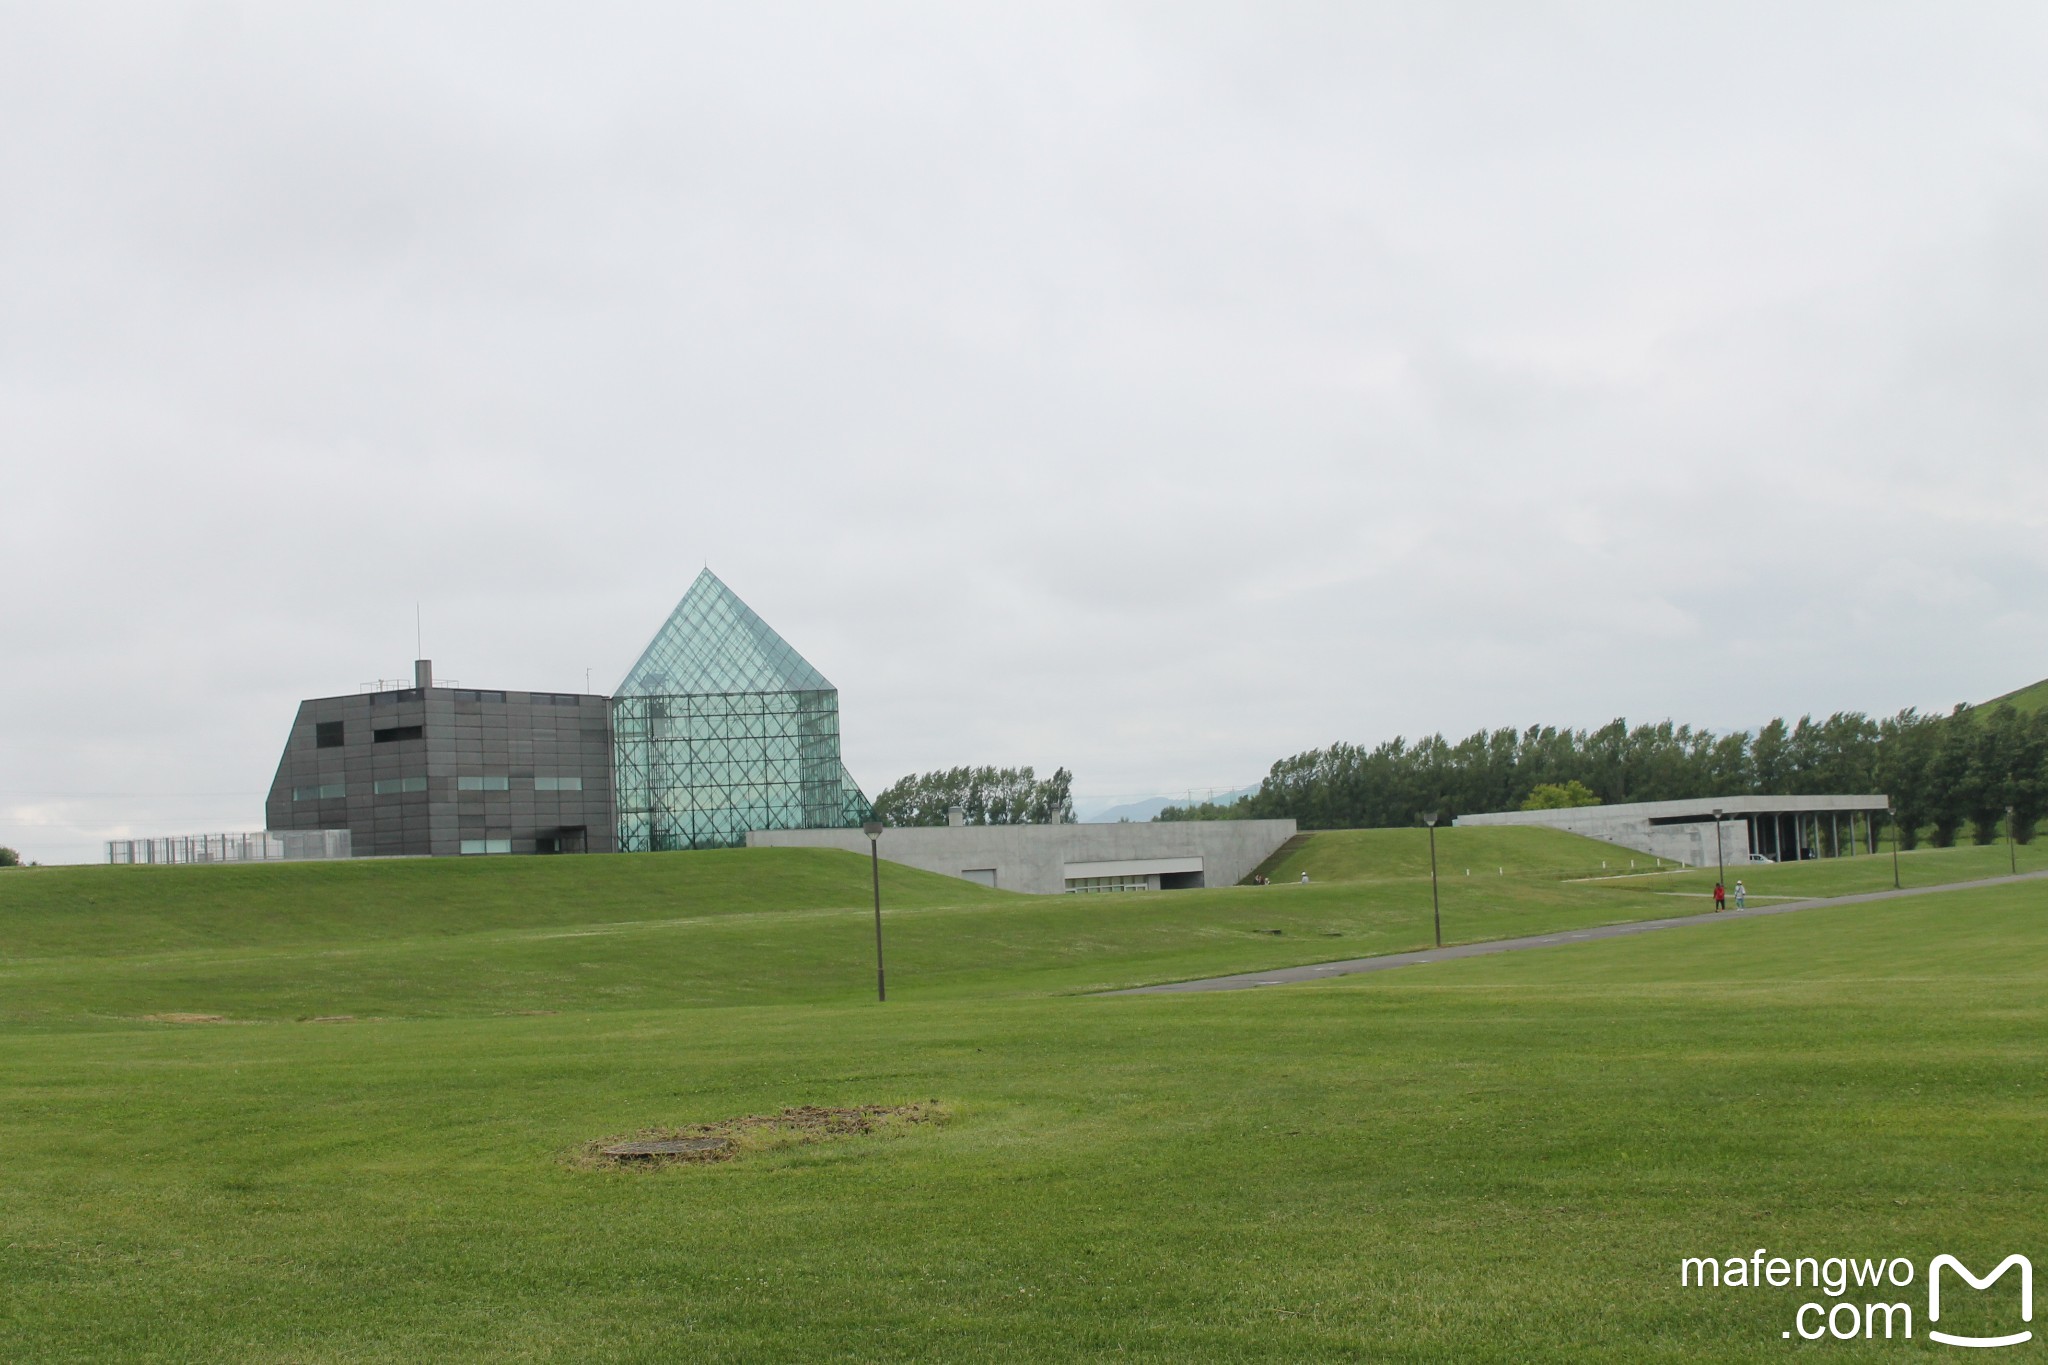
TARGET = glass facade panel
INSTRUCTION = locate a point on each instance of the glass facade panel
(486, 845)
(722, 728)
(324, 792)
(489, 782)
(392, 786)
(558, 784)
(1077, 886)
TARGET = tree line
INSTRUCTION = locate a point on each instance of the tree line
(986, 796)
(1945, 774)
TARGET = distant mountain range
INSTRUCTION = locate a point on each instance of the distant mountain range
(1139, 811)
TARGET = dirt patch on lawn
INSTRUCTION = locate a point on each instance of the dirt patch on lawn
(700, 1144)
(181, 1018)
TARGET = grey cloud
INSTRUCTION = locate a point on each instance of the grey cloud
(1155, 390)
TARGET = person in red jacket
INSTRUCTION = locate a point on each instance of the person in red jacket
(1720, 896)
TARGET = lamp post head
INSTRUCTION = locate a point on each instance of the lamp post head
(1430, 819)
(873, 829)
(1717, 813)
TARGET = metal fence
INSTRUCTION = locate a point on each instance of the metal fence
(262, 846)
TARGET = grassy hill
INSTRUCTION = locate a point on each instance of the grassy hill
(1373, 855)
(2032, 698)
(746, 926)
(436, 938)
(1490, 1159)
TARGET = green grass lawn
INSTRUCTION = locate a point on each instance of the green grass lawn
(2032, 697)
(1495, 1159)
(1373, 855)
(752, 926)
(1921, 867)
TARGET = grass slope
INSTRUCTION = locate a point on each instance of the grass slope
(55, 910)
(2031, 698)
(1374, 855)
(485, 936)
(775, 926)
(1498, 1159)
(1921, 867)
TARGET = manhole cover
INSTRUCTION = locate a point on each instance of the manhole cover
(668, 1147)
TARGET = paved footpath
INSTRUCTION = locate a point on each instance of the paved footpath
(1323, 971)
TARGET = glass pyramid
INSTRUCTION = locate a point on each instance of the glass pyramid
(721, 728)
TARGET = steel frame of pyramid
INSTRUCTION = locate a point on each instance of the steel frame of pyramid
(721, 728)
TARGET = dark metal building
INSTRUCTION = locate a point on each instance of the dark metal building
(720, 729)
(448, 770)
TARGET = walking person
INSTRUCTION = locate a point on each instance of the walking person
(1720, 896)
(1741, 894)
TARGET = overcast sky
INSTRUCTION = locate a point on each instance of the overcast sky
(1154, 390)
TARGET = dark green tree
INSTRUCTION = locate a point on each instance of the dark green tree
(1951, 775)
(1905, 749)
(1560, 796)
(985, 796)
(2027, 782)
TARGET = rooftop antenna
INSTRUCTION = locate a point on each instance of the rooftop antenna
(418, 633)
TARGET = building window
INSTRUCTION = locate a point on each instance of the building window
(494, 782)
(327, 735)
(555, 699)
(558, 784)
(477, 694)
(326, 791)
(395, 697)
(486, 845)
(1083, 885)
(393, 786)
(393, 733)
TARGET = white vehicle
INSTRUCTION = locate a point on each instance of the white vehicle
(1761, 858)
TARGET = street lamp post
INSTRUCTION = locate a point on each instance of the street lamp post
(1720, 858)
(873, 829)
(2012, 848)
(1435, 907)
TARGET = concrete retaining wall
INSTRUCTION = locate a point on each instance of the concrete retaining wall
(1036, 858)
(1681, 830)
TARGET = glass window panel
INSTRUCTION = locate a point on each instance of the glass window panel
(721, 728)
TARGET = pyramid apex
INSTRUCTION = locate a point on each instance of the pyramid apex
(713, 643)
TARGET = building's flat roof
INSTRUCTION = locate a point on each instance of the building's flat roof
(443, 691)
(1731, 807)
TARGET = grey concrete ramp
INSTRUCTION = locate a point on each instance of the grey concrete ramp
(1324, 971)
